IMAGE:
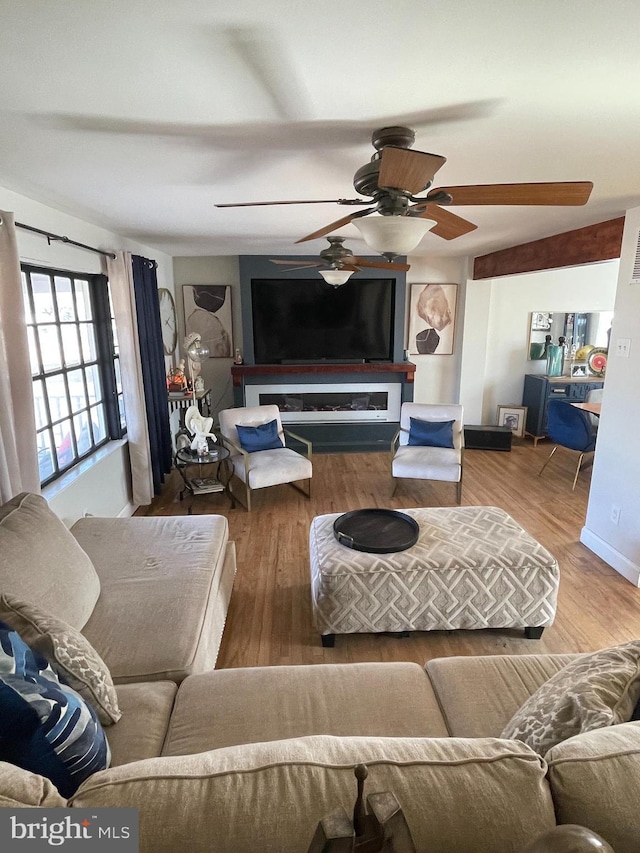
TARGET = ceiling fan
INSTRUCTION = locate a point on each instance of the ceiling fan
(396, 175)
(339, 262)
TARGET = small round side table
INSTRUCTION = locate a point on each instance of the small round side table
(207, 480)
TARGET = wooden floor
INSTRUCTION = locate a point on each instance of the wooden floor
(269, 620)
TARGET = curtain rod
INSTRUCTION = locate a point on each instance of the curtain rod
(52, 237)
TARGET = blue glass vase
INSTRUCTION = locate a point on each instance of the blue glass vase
(555, 359)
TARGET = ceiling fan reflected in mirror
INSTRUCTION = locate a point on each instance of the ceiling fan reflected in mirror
(395, 177)
(338, 263)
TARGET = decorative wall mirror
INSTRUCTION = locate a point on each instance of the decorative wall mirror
(578, 327)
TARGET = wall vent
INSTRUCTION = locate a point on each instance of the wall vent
(635, 276)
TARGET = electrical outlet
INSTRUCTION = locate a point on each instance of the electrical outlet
(623, 345)
(615, 514)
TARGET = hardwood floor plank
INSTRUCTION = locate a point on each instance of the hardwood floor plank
(269, 620)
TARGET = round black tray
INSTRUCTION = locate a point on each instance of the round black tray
(377, 531)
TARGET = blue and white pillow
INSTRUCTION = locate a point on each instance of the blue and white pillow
(45, 726)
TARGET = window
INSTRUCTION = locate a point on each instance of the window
(75, 366)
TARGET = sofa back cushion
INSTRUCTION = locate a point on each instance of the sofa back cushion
(41, 562)
(458, 796)
(595, 781)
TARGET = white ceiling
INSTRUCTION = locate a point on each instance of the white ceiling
(140, 115)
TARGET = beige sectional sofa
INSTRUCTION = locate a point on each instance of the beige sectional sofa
(250, 759)
(241, 760)
(150, 594)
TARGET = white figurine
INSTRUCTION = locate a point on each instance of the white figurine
(200, 427)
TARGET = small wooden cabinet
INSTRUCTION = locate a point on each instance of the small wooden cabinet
(538, 390)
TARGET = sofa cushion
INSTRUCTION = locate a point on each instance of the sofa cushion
(146, 712)
(20, 788)
(479, 694)
(222, 708)
(160, 579)
(45, 727)
(594, 691)
(595, 782)
(72, 657)
(41, 562)
(270, 796)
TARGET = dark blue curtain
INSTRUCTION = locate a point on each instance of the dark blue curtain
(145, 285)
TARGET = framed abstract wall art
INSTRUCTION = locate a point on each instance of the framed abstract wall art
(207, 312)
(432, 316)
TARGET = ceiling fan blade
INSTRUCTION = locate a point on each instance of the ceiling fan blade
(294, 261)
(448, 225)
(382, 265)
(351, 267)
(304, 267)
(567, 193)
(301, 201)
(334, 225)
(406, 169)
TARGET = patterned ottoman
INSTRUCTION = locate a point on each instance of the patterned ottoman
(472, 567)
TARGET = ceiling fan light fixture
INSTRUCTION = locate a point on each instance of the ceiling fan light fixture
(395, 235)
(336, 277)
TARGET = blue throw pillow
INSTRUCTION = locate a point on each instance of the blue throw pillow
(262, 437)
(45, 726)
(431, 433)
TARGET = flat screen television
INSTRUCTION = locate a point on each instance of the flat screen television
(308, 320)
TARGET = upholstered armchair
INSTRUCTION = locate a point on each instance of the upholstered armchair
(429, 444)
(569, 427)
(257, 442)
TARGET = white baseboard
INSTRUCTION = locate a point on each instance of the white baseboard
(127, 511)
(613, 558)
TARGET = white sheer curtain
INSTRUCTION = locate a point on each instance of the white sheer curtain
(18, 448)
(124, 305)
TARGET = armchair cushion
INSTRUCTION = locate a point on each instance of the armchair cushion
(45, 726)
(261, 437)
(427, 463)
(431, 433)
(273, 467)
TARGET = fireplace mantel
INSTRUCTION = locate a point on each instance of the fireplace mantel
(241, 372)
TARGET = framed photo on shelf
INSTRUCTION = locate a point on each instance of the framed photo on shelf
(432, 318)
(579, 368)
(207, 312)
(514, 417)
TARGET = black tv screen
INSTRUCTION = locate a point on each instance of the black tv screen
(308, 320)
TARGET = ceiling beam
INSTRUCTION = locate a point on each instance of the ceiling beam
(601, 242)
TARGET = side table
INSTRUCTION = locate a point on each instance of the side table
(207, 480)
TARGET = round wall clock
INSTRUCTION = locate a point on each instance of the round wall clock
(168, 320)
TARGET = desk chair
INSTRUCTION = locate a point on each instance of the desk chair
(571, 428)
(257, 461)
(425, 449)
